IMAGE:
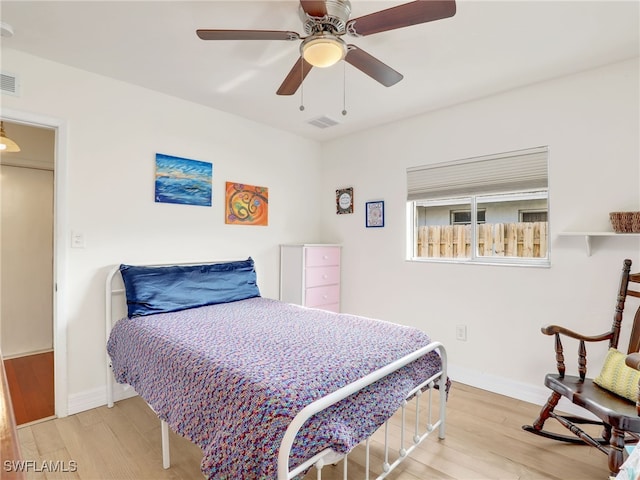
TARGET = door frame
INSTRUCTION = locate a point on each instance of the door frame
(60, 227)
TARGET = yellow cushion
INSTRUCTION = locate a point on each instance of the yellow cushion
(617, 377)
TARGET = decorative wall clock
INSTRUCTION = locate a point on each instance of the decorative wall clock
(344, 200)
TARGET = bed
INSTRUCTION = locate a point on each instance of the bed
(266, 389)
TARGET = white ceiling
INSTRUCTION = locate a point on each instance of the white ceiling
(487, 47)
(37, 146)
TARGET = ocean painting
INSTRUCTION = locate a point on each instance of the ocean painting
(184, 181)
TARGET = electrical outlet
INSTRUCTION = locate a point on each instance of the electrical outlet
(77, 239)
(461, 332)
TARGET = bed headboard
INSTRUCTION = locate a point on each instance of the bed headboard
(116, 303)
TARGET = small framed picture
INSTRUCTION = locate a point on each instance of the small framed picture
(374, 212)
(344, 200)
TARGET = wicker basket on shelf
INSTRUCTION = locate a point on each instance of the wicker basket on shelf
(625, 222)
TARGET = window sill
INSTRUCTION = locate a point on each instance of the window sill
(502, 262)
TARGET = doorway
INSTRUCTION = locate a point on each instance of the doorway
(26, 270)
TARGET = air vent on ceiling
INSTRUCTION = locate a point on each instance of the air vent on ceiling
(8, 83)
(323, 122)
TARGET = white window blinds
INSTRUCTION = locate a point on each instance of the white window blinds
(504, 172)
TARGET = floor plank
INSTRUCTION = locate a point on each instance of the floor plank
(31, 386)
(484, 441)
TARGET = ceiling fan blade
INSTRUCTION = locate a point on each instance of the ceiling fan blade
(295, 77)
(411, 13)
(247, 35)
(373, 67)
(314, 8)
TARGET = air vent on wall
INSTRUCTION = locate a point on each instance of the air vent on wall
(8, 84)
(323, 122)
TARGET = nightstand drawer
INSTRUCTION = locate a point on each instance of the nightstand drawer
(317, 276)
(322, 256)
(318, 296)
(310, 275)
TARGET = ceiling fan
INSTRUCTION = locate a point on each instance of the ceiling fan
(326, 21)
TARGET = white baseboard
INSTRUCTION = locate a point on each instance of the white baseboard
(525, 392)
(26, 354)
(80, 402)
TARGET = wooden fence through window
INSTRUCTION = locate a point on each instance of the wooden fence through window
(523, 239)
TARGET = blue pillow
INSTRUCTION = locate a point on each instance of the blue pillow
(169, 289)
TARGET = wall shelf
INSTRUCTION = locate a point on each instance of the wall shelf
(588, 235)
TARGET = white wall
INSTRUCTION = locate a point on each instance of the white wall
(590, 121)
(26, 258)
(114, 131)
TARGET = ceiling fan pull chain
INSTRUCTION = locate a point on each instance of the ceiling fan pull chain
(344, 88)
(301, 84)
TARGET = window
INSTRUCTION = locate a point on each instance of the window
(491, 209)
(463, 217)
(533, 215)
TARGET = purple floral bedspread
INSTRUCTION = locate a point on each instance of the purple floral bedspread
(231, 377)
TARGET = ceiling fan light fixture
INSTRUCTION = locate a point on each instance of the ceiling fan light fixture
(6, 144)
(324, 50)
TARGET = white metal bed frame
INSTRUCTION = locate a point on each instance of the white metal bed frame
(327, 456)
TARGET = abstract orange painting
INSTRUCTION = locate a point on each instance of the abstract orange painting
(246, 204)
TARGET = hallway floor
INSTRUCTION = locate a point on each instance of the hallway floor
(31, 386)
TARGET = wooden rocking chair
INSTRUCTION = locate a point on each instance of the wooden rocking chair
(617, 415)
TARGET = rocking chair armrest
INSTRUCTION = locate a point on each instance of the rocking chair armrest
(556, 329)
(633, 360)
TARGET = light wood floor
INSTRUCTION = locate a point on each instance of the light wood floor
(484, 440)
